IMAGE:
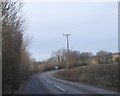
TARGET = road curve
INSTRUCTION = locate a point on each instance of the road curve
(45, 83)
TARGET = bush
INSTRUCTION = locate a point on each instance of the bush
(106, 75)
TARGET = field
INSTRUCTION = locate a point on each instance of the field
(100, 75)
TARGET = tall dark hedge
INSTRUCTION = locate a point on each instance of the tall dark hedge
(12, 42)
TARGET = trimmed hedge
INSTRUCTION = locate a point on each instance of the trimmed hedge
(105, 74)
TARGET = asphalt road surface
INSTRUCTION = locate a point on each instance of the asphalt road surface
(45, 83)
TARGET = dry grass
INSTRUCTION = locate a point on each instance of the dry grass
(104, 74)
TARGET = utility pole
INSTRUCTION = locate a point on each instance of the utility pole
(67, 35)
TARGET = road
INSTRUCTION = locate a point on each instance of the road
(45, 83)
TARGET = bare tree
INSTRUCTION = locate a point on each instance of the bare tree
(85, 58)
(104, 57)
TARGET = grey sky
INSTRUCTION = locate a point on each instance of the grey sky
(93, 26)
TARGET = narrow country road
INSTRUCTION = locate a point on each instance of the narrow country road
(44, 83)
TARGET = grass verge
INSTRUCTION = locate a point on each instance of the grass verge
(100, 75)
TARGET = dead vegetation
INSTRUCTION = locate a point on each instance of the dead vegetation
(17, 63)
(103, 74)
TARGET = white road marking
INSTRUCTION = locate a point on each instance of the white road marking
(60, 88)
(49, 82)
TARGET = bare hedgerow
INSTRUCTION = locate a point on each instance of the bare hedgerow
(15, 68)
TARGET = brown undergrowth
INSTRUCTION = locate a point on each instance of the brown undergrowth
(102, 74)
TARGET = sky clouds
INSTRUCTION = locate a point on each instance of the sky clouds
(93, 26)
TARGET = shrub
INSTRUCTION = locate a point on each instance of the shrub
(106, 75)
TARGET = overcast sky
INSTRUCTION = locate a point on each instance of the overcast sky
(93, 26)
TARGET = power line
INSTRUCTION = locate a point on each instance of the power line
(67, 35)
